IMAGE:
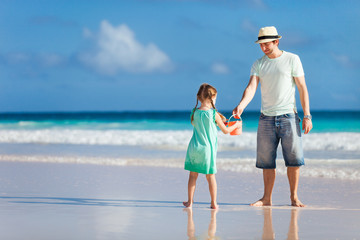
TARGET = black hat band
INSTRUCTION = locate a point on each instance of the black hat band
(267, 37)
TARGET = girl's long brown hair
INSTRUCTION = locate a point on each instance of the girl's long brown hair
(206, 91)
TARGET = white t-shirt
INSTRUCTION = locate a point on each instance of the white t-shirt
(277, 83)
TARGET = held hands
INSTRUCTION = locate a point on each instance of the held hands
(238, 124)
(238, 111)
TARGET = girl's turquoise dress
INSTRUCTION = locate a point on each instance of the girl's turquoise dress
(202, 149)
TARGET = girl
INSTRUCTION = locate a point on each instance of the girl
(201, 152)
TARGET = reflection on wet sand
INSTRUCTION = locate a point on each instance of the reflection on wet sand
(293, 227)
(268, 231)
(191, 226)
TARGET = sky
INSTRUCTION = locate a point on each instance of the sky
(143, 55)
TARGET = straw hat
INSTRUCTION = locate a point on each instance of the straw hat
(267, 34)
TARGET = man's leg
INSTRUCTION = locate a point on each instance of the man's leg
(269, 176)
(267, 143)
(293, 176)
(291, 143)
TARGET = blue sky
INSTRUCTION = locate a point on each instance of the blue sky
(89, 55)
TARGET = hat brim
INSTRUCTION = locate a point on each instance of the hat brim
(268, 40)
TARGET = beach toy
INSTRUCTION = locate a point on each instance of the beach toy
(237, 131)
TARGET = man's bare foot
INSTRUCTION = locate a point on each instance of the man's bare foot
(297, 203)
(261, 203)
(187, 204)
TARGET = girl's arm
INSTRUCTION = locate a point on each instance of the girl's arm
(222, 126)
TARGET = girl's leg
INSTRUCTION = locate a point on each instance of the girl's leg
(191, 188)
(213, 189)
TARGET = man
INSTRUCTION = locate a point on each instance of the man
(278, 72)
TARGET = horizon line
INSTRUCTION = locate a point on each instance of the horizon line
(147, 111)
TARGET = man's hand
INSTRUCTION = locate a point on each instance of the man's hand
(307, 125)
(238, 111)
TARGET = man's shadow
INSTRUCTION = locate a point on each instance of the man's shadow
(268, 230)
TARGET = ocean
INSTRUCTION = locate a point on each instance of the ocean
(332, 149)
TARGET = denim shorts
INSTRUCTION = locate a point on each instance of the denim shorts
(272, 130)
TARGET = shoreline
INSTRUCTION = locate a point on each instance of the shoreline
(340, 169)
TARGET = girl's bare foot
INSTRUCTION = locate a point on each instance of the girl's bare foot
(214, 206)
(187, 204)
(260, 203)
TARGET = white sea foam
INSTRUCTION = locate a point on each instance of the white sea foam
(175, 140)
(322, 168)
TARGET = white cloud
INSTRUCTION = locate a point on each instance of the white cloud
(249, 26)
(220, 68)
(41, 59)
(343, 60)
(87, 33)
(259, 4)
(16, 58)
(50, 60)
(117, 49)
(291, 38)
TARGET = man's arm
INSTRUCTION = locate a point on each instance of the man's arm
(248, 95)
(304, 99)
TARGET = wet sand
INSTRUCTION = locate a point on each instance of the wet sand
(80, 201)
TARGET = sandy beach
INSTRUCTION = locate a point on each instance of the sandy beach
(82, 201)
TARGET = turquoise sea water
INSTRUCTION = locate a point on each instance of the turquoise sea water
(332, 149)
(323, 121)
